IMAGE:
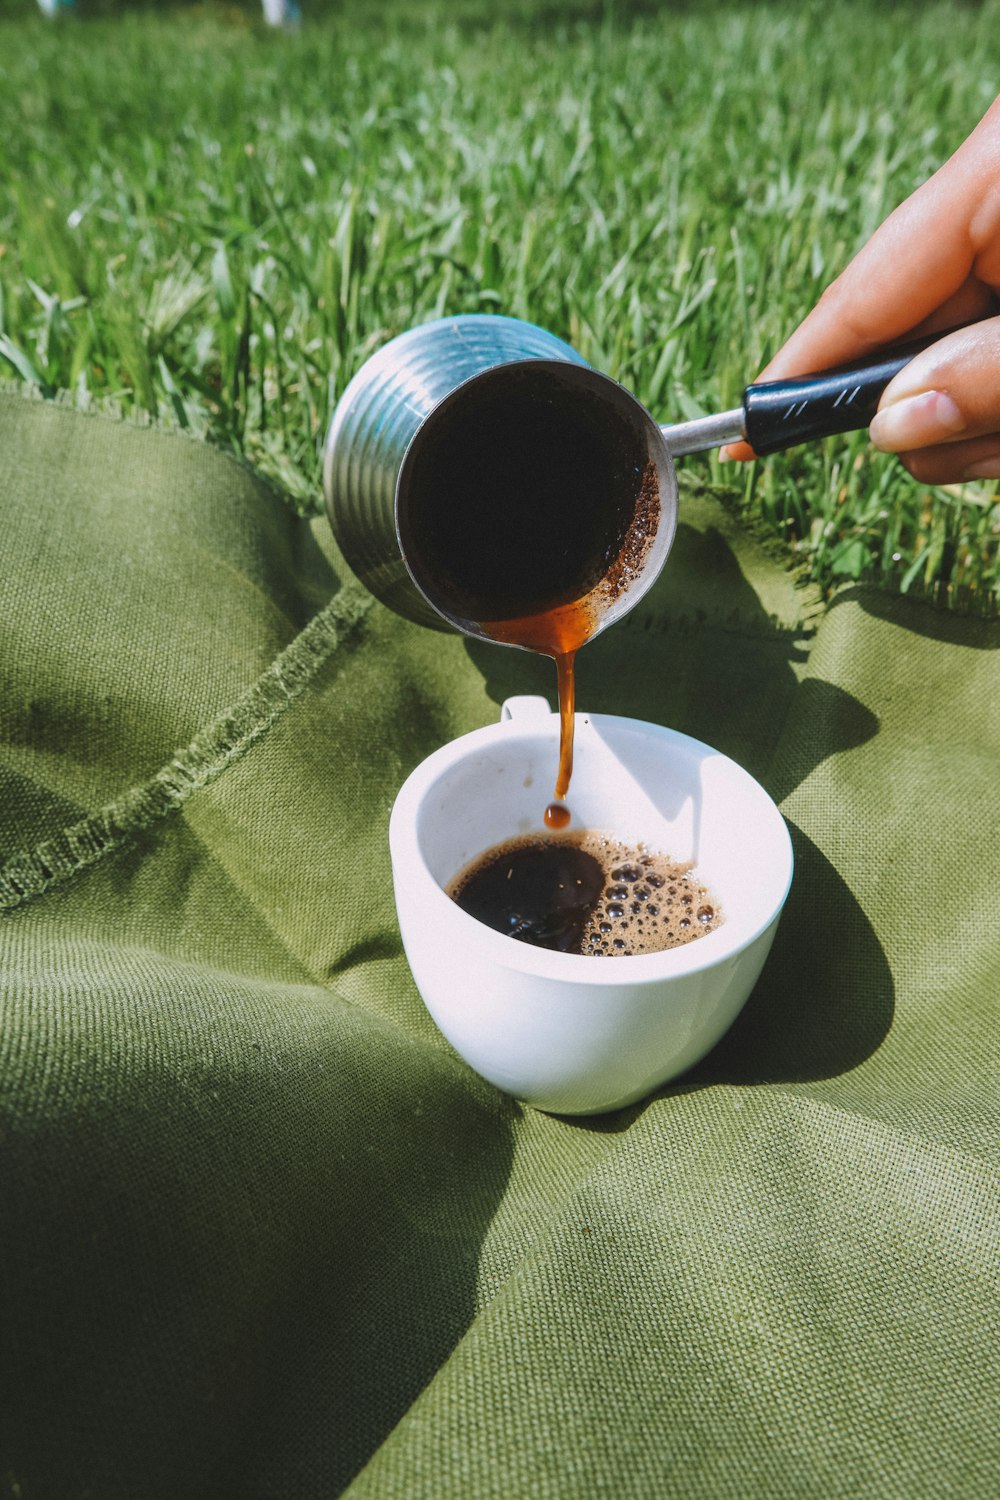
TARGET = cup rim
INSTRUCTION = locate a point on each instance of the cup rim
(723, 944)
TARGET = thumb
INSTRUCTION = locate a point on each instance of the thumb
(942, 411)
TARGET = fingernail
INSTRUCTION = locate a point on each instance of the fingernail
(916, 422)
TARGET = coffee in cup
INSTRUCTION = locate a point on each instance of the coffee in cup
(556, 1030)
(587, 893)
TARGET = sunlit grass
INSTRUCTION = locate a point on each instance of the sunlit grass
(216, 225)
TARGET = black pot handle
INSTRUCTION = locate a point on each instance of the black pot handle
(779, 414)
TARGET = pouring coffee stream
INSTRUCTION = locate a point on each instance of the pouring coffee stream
(560, 631)
(481, 476)
(526, 511)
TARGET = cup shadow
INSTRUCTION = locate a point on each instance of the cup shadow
(825, 999)
(824, 1002)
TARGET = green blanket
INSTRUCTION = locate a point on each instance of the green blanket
(264, 1235)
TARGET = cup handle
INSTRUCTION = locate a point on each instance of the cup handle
(527, 708)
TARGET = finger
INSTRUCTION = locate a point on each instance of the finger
(971, 301)
(933, 261)
(948, 393)
(892, 288)
(952, 463)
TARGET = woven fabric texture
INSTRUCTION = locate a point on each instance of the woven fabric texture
(264, 1236)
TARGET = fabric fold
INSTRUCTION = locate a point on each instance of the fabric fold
(265, 1235)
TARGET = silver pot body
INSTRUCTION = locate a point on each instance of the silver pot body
(391, 402)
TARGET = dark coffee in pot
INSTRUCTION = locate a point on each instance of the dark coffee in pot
(518, 498)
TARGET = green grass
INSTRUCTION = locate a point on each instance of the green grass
(216, 225)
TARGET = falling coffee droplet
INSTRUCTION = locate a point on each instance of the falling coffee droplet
(557, 815)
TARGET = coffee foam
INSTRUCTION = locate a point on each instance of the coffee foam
(650, 901)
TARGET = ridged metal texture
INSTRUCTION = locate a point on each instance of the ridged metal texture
(378, 416)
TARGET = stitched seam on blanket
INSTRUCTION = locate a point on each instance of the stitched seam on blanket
(221, 743)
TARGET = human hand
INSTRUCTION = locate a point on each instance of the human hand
(933, 263)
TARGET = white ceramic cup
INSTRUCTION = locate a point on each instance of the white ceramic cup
(565, 1032)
